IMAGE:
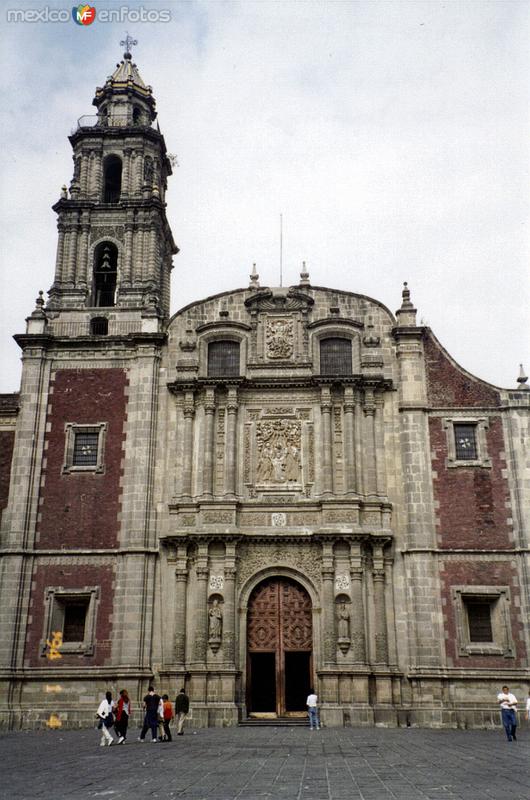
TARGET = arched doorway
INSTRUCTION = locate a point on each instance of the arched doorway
(279, 648)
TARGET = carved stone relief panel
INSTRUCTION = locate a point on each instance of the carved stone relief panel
(279, 337)
(305, 558)
(278, 452)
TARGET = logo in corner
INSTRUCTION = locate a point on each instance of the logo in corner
(83, 15)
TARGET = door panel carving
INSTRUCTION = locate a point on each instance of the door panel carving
(279, 621)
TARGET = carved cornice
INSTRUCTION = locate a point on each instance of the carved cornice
(266, 300)
(222, 324)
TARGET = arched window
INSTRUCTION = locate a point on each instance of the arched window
(223, 359)
(105, 275)
(335, 356)
(112, 179)
(99, 326)
(137, 115)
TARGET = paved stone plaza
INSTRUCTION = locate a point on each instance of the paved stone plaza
(275, 763)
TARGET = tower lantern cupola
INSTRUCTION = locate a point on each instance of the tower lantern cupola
(115, 245)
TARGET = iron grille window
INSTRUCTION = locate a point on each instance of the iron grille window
(466, 442)
(85, 449)
(223, 359)
(74, 620)
(479, 618)
(335, 356)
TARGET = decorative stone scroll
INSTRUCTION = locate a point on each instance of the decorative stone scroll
(279, 337)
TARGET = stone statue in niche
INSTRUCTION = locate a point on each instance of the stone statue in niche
(278, 446)
(215, 625)
(343, 628)
(148, 170)
(279, 336)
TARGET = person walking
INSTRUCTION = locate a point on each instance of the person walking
(151, 703)
(508, 704)
(105, 713)
(168, 716)
(528, 707)
(182, 707)
(312, 708)
(123, 712)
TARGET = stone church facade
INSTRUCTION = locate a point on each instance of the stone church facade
(274, 489)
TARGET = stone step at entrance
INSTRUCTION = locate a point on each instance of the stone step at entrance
(276, 722)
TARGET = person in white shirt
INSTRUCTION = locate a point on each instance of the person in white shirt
(106, 716)
(528, 706)
(508, 704)
(312, 707)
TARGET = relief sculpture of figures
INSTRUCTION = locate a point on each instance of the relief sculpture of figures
(279, 336)
(215, 625)
(278, 444)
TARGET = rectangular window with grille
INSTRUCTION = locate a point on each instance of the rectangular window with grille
(335, 356)
(223, 359)
(479, 620)
(85, 449)
(466, 442)
(75, 612)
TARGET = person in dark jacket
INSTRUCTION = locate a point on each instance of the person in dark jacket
(182, 706)
(151, 703)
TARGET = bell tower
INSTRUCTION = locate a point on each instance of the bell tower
(115, 245)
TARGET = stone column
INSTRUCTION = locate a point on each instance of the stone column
(152, 254)
(181, 577)
(127, 258)
(83, 178)
(208, 442)
(126, 174)
(72, 253)
(381, 634)
(326, 408)
(369, 470)
(229, 621)
(83, 276)
(358, 638)
(328, 604)
(187, 459)
(350, 481)
(59, 260)
(379, 434)
(231, 444)
(200, 615)
(358, 440)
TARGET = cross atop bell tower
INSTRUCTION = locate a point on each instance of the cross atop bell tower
(115, 246)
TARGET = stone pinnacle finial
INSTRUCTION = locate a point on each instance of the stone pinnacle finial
(406, 315)
(304, 276)
(39, 302)
(64, 192)
(522, 379)
(128, 42)
(254, 278)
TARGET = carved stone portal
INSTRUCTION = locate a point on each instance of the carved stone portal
(279, 336)
(278, 451)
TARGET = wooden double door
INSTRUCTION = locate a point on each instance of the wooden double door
(279, 647)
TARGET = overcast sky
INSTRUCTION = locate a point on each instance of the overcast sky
(394, 137)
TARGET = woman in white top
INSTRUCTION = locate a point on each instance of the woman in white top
(105, 714)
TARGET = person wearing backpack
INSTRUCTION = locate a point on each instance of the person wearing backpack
(105, 713)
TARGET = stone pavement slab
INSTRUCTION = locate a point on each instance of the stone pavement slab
(269, 764)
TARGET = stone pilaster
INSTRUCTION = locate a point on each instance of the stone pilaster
(328, 604)
(350, 480)
(369, 467)
(128, 255)
(326, 409)
(83, 276)
(126, 174)
(208, 443)
(229, 604)
(381, 633)
(358, 637)
(181, 589)
(231, 444)
(200, 612)
(187, 457)
(59, 260)
(379, 435)
(83, 178)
